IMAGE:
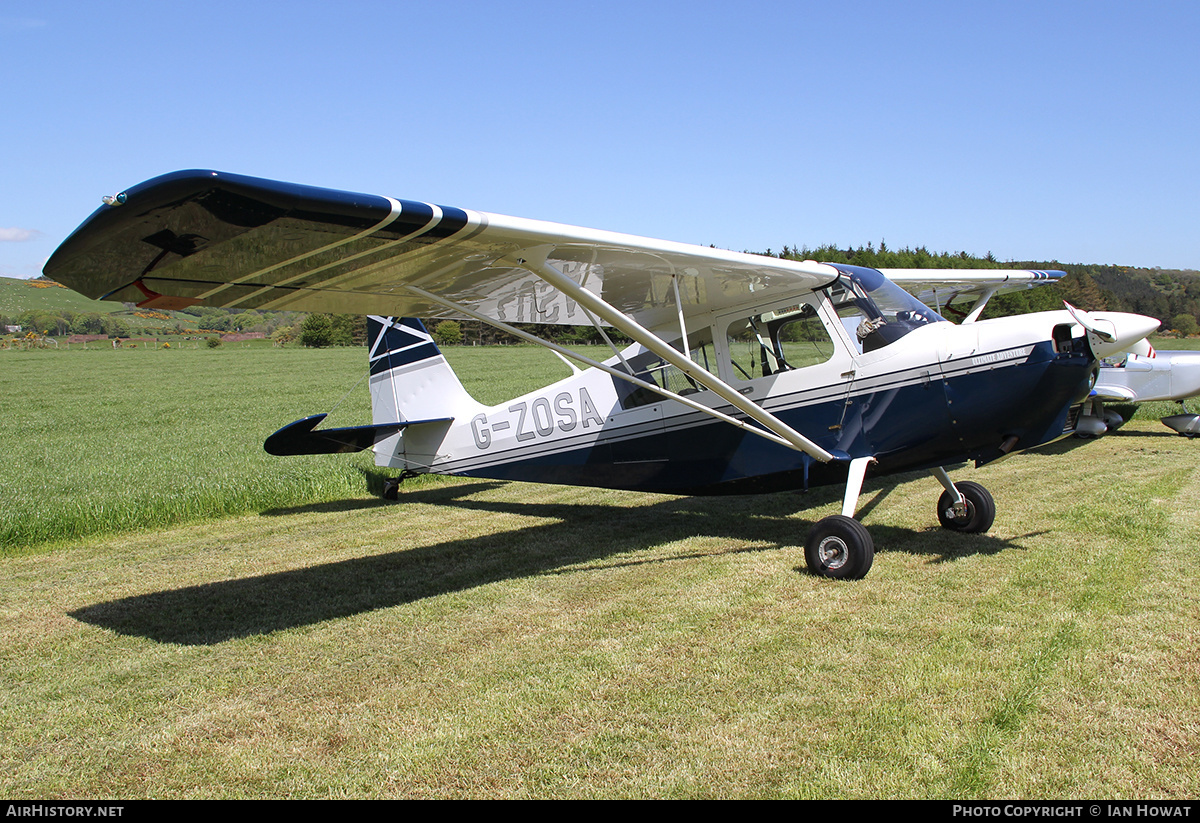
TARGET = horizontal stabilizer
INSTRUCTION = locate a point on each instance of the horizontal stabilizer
(300, 437)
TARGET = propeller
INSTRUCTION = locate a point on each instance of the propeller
(1142, 348)
(1112, 332)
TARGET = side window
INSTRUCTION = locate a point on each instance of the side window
(791, 337)
(804, 341)
(855, 322)
(651, 368)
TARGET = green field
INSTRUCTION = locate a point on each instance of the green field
(185, 616)
(103, 440)
(54, 303)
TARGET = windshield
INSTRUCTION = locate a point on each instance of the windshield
(879, 311)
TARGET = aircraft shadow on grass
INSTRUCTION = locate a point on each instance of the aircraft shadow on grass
(579, 534)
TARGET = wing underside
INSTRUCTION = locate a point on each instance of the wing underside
(210, 238)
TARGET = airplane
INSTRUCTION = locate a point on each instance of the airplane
(1139, 376)
(747, 373)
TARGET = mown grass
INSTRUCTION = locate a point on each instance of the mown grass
(505, 640)
(500, 640)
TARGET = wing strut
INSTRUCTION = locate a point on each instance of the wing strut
(562, 351)
(979, 306)
(687, 351)
(670, 354)
(613, 346)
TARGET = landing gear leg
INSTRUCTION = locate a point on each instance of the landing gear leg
(839, 546)
(964, 506)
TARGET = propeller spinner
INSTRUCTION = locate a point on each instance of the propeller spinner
(1110, 333)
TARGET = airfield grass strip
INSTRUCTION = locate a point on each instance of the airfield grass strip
(1113, 570)
(503, 640)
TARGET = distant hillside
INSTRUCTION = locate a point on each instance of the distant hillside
(1161, 293)
(18, 296)
(45, 306)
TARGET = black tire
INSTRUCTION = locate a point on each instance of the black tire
(981, 509)
(839, 547)
(391, 489)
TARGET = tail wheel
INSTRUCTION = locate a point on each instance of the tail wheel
(981, 509)
(391, 488)
(839, 547)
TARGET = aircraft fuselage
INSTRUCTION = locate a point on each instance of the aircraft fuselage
(939, 395)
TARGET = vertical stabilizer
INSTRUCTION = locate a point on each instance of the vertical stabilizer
(411, 380)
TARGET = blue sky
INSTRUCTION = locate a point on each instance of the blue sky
(1033, 130)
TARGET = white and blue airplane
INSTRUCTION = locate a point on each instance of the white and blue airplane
(747, 373)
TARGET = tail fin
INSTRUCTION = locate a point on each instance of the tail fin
(411, 381)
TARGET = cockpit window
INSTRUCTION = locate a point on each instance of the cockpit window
(786, 338)
(875, 311)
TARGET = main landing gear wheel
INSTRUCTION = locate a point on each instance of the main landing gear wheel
(839, 547)
(981, 509)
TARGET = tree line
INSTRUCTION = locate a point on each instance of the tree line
(1172, 296)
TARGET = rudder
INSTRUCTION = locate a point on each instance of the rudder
(411, 381)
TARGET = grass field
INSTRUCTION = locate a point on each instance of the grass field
(103, 440)
(502, 640)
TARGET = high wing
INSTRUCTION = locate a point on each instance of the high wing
(216, 239)
(941, 288)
